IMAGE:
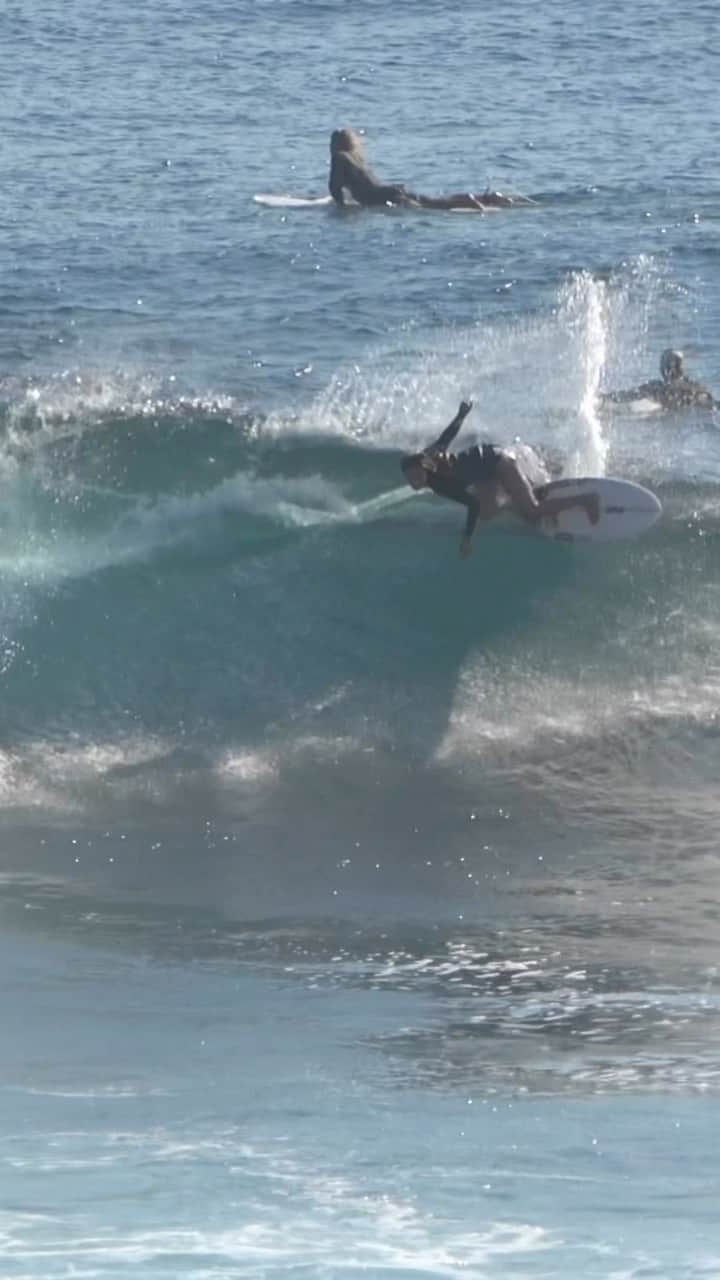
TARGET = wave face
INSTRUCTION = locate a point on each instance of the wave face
(192, 588)
(359, 905)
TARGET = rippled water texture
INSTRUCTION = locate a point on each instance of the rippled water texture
(359, 904)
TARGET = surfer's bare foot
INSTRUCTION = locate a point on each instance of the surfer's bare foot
(591, 504)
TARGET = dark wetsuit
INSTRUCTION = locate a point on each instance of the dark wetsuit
(349, 173)
(455, 473)
(346, 172)
(680, 393)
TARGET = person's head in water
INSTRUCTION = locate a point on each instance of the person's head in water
(414, 467)
(349, 141)
(671, 365)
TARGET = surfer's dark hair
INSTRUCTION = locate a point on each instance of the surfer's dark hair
(348, 140)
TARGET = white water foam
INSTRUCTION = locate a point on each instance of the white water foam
(82, 401)
(536, 379)
(322, 1220)
(514, 714)
(585, 308)
(177, 520)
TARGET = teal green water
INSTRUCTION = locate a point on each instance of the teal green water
(359, 904)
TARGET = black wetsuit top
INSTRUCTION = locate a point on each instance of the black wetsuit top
(345, 171)
(456, 472)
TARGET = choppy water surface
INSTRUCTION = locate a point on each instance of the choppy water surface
(360, 905)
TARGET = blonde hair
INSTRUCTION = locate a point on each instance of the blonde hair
(348, 140)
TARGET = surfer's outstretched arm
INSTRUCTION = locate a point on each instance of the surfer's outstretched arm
(648, 391)
(451, 430)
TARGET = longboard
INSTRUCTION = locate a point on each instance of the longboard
(293, 202)
(281, 201)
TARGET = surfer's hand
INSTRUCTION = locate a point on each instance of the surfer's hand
(465, 548)
(465, 407)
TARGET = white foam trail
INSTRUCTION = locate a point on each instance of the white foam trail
(150, 526)
(328, 1224)
(299, 502)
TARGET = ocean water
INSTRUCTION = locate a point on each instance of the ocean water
(360, 905)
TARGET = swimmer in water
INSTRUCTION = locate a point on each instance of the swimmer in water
(349, 172)
(674, 390)
(486, 480)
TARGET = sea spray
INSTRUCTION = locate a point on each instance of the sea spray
(585, 311)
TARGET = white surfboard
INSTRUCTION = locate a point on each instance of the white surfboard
(644, 406)
(626, 510)
(293, 202)
(280, 201)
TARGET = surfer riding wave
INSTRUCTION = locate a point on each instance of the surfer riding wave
(487, 480)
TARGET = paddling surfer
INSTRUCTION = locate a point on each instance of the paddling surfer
(349, 172)
(673, 390)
